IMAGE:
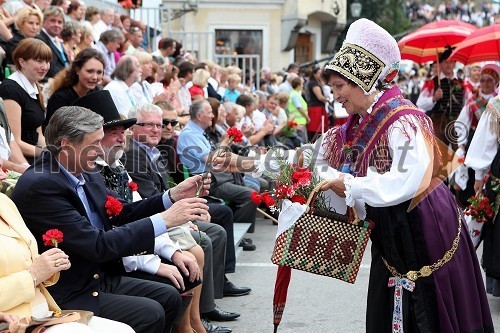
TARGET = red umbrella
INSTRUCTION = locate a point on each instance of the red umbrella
(423, 44)
(280, 291)
(482, 45)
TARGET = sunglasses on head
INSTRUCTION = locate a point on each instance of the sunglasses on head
(171, 122)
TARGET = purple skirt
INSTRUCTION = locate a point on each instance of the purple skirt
(453, 298)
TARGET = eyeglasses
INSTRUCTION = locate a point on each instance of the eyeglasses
(151, 125)
(171, 122)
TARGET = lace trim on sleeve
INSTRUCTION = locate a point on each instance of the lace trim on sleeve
(349, 199)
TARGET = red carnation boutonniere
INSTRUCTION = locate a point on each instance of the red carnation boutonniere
(113, 206)
(52, 237)
(461, 160)
(133, 186)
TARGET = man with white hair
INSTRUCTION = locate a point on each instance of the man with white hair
(105, 23)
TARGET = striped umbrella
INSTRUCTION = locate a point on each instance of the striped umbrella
(425, 43)
(482, 45)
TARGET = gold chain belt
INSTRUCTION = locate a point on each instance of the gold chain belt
(428, 270)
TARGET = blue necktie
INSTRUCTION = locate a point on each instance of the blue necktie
(93, 216)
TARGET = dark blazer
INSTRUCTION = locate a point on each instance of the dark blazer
(151, 178)
(46, 200)
(57, 64)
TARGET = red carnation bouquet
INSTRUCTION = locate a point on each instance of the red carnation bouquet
(52, 237)
(477, 213)
(480, 208)
(294, 183)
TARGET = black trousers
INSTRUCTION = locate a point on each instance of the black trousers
(147, 306)
(214, 247)
(245, 210)
(223, 216)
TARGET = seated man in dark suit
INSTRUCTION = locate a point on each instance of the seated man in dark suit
(61, 191)
(169, 264)
(53, 21)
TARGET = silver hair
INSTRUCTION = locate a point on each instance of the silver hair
(139, 110)
(72, 123)
(124, 68)
(229, 106)
(197, 107)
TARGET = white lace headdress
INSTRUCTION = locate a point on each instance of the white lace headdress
(369, 54)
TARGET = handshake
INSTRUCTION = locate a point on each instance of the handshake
(187, 206)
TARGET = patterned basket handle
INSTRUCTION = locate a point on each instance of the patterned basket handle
(352, 215)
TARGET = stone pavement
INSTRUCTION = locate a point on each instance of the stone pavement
(315, 303)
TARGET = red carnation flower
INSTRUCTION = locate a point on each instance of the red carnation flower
(302, 177)
(256, 198)
(133, 186)
(268, 200)
(281, 191)
(299, 198)
(113, 206)
(52, 237)
(234, 135)
(461, 160)
(292, 124)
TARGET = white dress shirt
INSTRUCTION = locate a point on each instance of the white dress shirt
(122, 95)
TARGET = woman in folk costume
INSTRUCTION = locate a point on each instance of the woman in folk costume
(424, 274)
(484, 154)
(466, 124)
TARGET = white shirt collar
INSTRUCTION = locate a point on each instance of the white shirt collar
(31, 89)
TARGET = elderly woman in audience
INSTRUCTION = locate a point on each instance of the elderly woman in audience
(143, 90)
(22, 96)
(27, 21)
(86, 39)
(25, 274)
(80, 78)
(71, 35)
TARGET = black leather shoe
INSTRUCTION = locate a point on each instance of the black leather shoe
(218, 314)
(247, 246)
(248, 240)
(231, 290)
(215, 329)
